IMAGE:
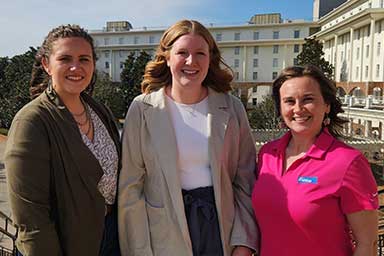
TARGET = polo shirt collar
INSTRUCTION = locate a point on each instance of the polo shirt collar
(319, 148)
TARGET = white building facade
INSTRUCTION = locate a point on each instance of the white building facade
(353, 37)
(256, 52)
(353, 42)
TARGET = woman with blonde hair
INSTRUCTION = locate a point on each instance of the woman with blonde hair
(188, 155)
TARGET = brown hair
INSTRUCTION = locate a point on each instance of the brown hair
(157, 74)
(40, 79)
(327, 88)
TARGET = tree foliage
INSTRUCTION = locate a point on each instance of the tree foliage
(263, 116)
(312, 53)
(132, 75)
(15, 74)
(109, 93)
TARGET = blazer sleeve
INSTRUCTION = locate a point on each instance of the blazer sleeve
(27, 163)
(132, 214)
(245, 231)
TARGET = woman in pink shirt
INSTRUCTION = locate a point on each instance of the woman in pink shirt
(314, 194)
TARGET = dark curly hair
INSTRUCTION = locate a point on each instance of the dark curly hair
(157, 74)
(40, 78)
(327, 88)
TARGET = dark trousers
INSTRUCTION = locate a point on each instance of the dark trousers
(110, 243)
(203, 224)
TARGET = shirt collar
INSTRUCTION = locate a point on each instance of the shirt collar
(318, 149)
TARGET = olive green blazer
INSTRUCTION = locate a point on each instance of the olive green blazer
(151, 216)
(52, 180)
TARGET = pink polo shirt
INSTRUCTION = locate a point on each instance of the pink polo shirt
(303, 212)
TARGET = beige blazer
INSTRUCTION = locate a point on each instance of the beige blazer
(151, 216)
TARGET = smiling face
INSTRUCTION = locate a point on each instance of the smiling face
(302, 106)
(189, 61)
(70, 65)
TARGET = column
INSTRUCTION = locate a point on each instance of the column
(350, 126)
(368, 101)
(381, 133)
(285, 57)
(367, 128)
(111, 65)
(245, 66)
(371, 51)
(337, 77)
(350, 73)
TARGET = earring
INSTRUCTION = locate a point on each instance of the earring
(326, 120)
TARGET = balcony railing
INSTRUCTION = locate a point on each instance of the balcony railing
(7, 231)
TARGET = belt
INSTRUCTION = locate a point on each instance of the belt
(108, 209)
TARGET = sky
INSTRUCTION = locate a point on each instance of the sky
(25, 23)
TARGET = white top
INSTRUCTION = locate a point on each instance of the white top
(191, 128)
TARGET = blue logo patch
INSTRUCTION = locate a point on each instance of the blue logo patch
(307, 179)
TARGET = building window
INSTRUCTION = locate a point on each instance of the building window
(106, 54)
(295, 61)
(151, 39)
(366, 71)
(275, 34)
(378, 48)
(256, 50)
(106, 64)
(121, 53)
(296, 48)
(342, 55)
(357, 73)
(275, 49)
(237, 36)
(136, 40)
(219, 37)
(357, 53)
(255, 63)
(381, 3)
(275, 62)
(106, 41)
(256, 35)
(237, 50)
(274, 75)
(236, 63)
(254, 101)
(367, 51)
(296, 34)
(358, 34)
(377, 70)
(121, 65)
(254, 76)
(121, 40)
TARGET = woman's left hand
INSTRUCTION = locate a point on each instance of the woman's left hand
(241, 251)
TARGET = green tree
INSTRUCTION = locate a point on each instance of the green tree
(263, 116)
(14, 86)
(312, 53)
(132, 75)
(109, 93)
(3, 64)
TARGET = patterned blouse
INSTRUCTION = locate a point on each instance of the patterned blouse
(104, 149)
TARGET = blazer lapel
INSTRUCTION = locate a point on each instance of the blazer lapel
(218, 118)
(160, 127)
